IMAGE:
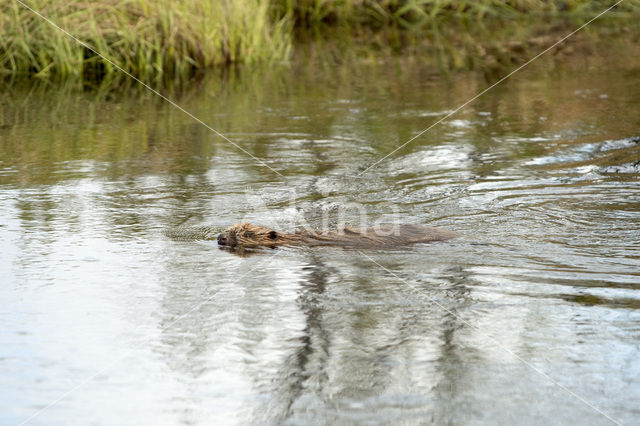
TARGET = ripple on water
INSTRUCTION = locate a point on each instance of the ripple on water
(545, 278)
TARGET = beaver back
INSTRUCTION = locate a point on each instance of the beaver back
(248, 235)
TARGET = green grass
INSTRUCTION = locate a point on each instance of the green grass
(151, 39)
(171, 40)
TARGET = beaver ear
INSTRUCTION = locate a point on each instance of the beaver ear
(273, 235)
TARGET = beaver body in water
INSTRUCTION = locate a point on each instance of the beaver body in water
(247, 235)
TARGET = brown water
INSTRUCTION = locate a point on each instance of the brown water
(533, 316)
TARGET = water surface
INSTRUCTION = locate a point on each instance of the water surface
(532, 316)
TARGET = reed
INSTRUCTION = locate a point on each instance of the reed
(172, 40)
(151, 39)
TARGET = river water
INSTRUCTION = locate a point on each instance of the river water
(532, 316)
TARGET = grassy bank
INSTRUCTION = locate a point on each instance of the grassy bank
(174, 39)
(147, 38)
(418, 14)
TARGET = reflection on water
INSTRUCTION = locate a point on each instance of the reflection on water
(532, 315)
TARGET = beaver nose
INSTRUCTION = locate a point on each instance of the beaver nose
(221, 239)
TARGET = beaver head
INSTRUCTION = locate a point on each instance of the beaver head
(248, 235)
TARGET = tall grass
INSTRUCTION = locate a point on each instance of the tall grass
(160, 40)
(150, 39)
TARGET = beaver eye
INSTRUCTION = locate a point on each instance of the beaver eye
(273, 235)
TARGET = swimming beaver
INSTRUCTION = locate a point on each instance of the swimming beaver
(384, 236)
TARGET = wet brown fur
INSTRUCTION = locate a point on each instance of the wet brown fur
(247, 235)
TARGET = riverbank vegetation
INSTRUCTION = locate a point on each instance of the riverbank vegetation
(147, 38)
(418, 14)
(167, 40)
